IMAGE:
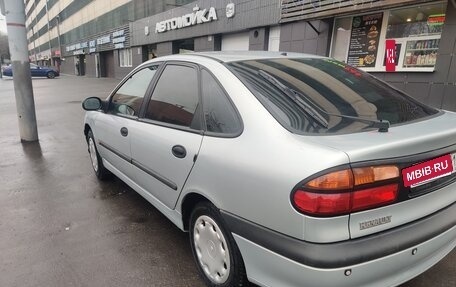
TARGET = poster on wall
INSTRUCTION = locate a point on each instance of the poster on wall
(364, 38)
(397, 54)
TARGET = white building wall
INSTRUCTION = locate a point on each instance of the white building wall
(235, 42)
(274, 38)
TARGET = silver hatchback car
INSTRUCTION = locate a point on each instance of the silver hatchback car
(285, 169)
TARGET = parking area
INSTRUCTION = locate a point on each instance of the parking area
(60, 226)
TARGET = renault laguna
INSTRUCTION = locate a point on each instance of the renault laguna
(285, 169)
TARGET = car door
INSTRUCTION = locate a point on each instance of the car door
(112, 129)
(166, 141)
(34, 70)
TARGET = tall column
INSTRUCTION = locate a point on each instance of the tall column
(14, 12)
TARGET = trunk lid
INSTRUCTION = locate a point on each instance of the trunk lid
(423, 136)
(403, 145)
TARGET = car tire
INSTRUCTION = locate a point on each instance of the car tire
(50, 75)
(215, 252)
(95, 158)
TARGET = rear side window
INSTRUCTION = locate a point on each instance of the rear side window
(128, 98)
(318, 95)
(219, 113)
(175, 97)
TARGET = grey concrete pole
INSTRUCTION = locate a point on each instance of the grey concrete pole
(14, 12)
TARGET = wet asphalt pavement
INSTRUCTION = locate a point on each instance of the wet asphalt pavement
(60, 226)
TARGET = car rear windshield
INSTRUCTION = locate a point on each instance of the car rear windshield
(320, 95)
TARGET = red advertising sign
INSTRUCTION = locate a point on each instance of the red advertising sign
(390, 55)
(428, 170)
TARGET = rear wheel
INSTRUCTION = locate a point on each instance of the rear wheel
(51, 75)
(97, 163)
(216, 254)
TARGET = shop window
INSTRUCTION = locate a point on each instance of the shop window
(418, 30)
(360, 40)
(421, 21)
(125, 58)
(341, 39)
(183, 46)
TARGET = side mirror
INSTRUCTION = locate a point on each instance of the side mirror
(92, 104)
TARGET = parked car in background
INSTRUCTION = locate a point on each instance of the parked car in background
(35, 70)
(286, 169)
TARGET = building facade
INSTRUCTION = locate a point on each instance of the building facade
(422, 34)
(414, 39)
(87, 37)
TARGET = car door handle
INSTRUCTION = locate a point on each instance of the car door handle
(179, 151)
(124, 131)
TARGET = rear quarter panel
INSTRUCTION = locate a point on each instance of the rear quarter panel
(252, 175)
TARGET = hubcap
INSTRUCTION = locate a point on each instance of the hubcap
(211, 249)
(93, 154)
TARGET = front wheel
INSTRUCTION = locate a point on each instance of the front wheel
(50, 75)
(97, 163)
(216, 254)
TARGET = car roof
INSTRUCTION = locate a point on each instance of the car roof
(234, 56)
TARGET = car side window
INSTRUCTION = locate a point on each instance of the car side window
(219, 113)
(175, 97)
(128, 98)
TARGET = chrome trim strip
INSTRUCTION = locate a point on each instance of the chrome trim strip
(157, 176)
(150, 172)
(116, 152)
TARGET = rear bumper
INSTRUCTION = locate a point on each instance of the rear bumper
(387, 253)
(270, 269)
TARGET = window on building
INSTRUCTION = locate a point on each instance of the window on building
(125, 58)
(418, 21)
(418, 30)
(360, 40)
(175, 97)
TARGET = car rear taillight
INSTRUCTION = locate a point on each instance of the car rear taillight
(346, 191)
